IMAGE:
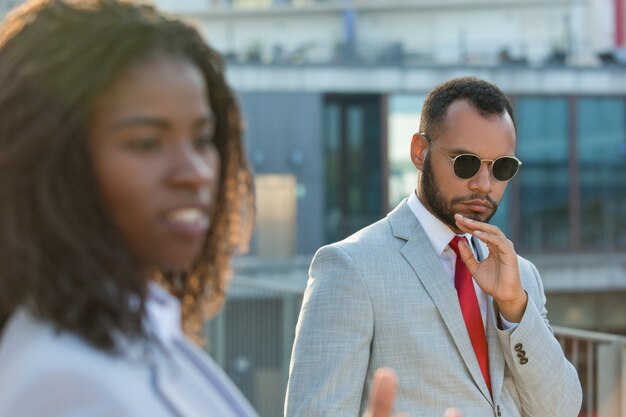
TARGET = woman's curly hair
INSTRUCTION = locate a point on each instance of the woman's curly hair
(60, 253)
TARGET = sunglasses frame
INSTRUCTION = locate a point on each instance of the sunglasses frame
(482, 160)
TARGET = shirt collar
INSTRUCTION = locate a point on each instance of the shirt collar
(437, 231)
(163, 314)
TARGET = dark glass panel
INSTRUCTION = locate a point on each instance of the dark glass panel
(353, 167)
(542, 145)
(601, 132)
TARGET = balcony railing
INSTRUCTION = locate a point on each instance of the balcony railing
(600, 360)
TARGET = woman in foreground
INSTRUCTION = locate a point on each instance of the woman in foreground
(124, 193)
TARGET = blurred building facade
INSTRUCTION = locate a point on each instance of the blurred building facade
(409, 32)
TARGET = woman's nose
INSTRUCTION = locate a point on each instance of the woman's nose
(193, 168)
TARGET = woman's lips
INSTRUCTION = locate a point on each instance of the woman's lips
(188, 221)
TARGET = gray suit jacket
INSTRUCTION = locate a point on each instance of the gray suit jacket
(46, 373)
(381, 298)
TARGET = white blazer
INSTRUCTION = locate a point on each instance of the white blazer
(50, 373)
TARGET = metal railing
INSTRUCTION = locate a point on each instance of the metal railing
(251, 339)
(600, 360)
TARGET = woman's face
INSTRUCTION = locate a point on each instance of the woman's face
(151, 139)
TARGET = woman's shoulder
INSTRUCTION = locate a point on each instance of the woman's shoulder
(40, 364)
(29, 341)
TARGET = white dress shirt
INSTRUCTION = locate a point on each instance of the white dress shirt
(440, 236)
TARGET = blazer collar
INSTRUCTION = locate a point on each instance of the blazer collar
(419, 253)
(191, 396)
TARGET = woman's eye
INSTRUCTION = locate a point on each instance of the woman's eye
(204, 141)
(144, 144)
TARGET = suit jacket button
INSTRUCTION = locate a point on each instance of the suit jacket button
(498, 408)
(518, 347)
(523, 361)
(521, 354)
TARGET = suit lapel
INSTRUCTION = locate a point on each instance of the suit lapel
(496, 358)
(420, 254)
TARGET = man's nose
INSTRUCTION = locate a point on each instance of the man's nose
(483, 181)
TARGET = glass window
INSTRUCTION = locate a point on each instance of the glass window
(542, 145)
(353, 155)
(403, 121)
(332, 167)
(501, 218)
(601, 128)
(275, 217)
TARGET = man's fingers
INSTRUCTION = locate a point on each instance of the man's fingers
(383, 393)
(470, 225)
(494, 238)
(467, 256)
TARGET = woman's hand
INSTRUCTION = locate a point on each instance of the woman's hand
(383, 393)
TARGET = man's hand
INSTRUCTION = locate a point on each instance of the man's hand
(383, 393)
(498, 274)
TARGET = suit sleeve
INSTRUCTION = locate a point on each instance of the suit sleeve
(332, 345)
(547, 384)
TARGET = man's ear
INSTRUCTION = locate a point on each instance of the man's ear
(419, 147)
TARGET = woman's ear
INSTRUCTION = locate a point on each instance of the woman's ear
(419, 147)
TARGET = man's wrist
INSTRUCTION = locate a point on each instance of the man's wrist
(513, 311)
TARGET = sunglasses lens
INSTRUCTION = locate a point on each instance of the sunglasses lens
(466, 166)
(505, 168)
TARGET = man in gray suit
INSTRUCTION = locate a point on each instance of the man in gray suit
(433, 290)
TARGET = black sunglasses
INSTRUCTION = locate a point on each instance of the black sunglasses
(467, 165)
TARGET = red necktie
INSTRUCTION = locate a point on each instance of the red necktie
(471, 311)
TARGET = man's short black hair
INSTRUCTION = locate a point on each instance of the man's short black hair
(485, 97)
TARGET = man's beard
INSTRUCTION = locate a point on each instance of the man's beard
(443, 209)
